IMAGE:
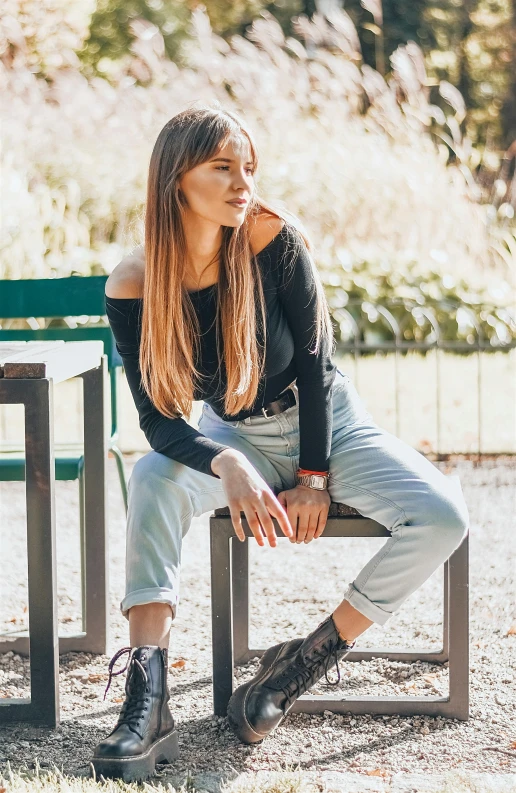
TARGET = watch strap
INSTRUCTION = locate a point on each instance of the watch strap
(315, 481)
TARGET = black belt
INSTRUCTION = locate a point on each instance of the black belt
(286, 400)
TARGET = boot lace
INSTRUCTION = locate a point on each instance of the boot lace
(306, 673)
(135, 689)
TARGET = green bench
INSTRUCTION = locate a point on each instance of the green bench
(68, 299)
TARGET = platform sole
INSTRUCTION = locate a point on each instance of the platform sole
(142, 766)
(237, 702)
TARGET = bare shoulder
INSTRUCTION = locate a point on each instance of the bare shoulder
(126, 280)
(263, 230)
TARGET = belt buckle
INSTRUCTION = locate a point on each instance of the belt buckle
(283, 393)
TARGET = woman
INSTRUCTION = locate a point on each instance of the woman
(226, 306)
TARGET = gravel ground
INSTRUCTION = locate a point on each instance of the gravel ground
(284, 605)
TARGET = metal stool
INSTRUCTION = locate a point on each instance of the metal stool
(230, 624)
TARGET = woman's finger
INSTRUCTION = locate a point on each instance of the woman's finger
(266, 523)
(305, 516)
(276, 509)
(312, 527)
(254, 524)
(293, 519)
(323, 517)
(237, 522)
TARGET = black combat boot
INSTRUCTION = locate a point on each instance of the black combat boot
(286, 671)
(144, 733)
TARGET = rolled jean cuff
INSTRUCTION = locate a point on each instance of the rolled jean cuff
(152, 595)
(366, 607)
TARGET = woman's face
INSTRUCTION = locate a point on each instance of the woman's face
(210, 187)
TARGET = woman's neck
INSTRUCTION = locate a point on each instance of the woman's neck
(202, 278)
(203, 244)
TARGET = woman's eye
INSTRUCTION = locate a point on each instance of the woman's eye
(223, 167)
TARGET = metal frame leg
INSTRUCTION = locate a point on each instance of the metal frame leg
(82, 545)
(43, 706)
(94, 542)
(222, 617)
(458, 565)
(240, 584)
(446, 611)
(41, 554)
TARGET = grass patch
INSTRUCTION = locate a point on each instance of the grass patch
(288, 781)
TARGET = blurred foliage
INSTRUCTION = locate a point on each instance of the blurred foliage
(376, 305)
(230, 18)
(42, 38)
(114, 29)
(376, 171)
(474, 51)
(421, 307)
(469, 44)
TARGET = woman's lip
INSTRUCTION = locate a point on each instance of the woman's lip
(237, 203)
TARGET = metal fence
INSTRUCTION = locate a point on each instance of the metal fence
(397, 327)
(400, 326)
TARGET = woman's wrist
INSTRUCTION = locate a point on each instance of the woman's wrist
(316, 480)
(225, 459)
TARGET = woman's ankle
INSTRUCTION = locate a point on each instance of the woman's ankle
(149, 624)
(349, 622)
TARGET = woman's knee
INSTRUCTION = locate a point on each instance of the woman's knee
(447, 515)
(151, 470)
(151, 483)
(142, 471)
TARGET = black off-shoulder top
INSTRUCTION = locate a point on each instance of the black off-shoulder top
(289, 290)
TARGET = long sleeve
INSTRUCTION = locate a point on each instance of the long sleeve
(174, 438)
(315, 373)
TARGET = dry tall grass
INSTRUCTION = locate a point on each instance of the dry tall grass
(371, 185)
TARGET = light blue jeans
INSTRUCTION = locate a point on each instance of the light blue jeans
(370, 469)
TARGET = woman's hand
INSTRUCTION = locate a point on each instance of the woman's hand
(247, 492)
(307, 509)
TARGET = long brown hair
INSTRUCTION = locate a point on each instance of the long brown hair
(170, 328)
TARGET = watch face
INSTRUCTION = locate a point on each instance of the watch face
(312, 480)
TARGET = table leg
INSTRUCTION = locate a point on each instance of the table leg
(240, 588)
(221, 616)
(94, 543)
(41, 551)
(459, 631)
(446, 611)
